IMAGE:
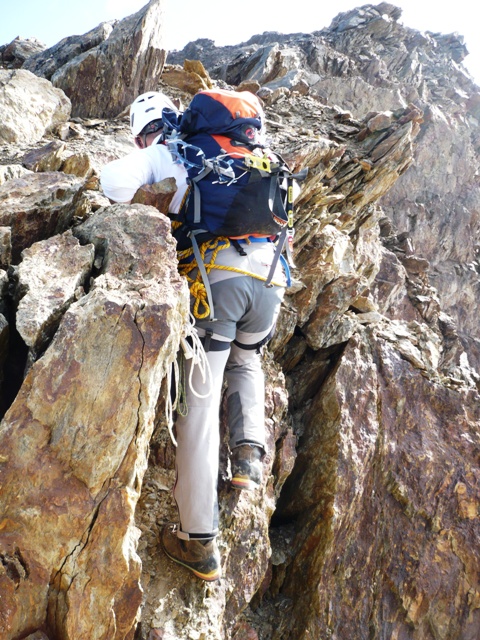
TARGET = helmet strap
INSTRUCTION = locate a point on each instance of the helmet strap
(141, 141)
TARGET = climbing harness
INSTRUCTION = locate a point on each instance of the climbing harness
(193, 259)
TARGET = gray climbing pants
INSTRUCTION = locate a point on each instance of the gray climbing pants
(246, 312)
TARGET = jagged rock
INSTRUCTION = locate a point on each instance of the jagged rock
(13, 55)
(78, 165)
(270, 63)
(379, 122)
(45, 63)
(390, 289)
(188, 81)
(94, 144)
(364, 498)
(20, 93)
(413, 206)
(9, 171)
(50, 277)
(368, 61)
(195, 66)
(89, 201)
(37, 206)
(158, 194)
(134, 51)
(99, 399)
(47, 158)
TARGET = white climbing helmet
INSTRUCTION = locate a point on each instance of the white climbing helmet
(147, 107)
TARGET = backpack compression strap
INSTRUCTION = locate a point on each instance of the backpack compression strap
(287, 229)
(287, 232)
(276, 256)
(197, 215)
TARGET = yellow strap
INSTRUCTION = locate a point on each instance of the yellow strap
(222, 267)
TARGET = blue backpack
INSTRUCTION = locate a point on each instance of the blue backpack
(237, 187)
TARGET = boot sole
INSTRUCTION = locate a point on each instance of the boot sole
(239, 482)
(216, 574)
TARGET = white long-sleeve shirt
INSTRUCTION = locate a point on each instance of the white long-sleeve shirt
(120, 179)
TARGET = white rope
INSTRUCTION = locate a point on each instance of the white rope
(199, 358)
(190, 350)
(169, 405)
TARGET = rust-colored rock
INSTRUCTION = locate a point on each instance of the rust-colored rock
(186, 80)
(393, 492)
(75, 440)
(158, 194)
(366, 524)
(78, 165)
(37, 206)
(47, 158)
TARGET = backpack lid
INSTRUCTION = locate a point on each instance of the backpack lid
(236, 114)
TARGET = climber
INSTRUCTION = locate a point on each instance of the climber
(245, 316)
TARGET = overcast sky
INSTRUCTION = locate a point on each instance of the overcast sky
(185, 20)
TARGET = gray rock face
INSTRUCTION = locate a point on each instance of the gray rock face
(18, 51)
(45, 63)
(105, 70)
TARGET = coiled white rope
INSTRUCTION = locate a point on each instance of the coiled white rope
(191, 349)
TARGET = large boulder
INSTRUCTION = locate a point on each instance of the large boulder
(14, 55)
(30, 106)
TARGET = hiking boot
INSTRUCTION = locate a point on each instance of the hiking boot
(201, 557)
(247, 469)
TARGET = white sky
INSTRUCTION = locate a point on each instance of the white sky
(185, 20)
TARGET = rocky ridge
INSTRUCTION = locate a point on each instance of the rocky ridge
(367, 523)
(367, 60)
